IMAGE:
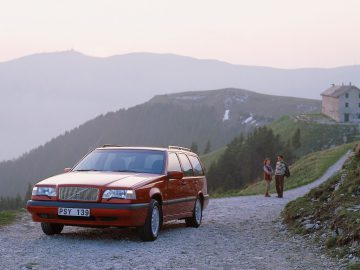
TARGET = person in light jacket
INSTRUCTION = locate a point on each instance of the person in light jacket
(280, 175)
(268, 172)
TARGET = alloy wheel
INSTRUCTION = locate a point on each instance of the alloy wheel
(155, 221)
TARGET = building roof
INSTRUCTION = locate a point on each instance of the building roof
(338, 90)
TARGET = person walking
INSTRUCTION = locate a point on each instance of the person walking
(268, 172)
(280, 171)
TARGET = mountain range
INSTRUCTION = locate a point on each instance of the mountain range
(45, 94)
(173, 119)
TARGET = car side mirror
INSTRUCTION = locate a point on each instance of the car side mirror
(175, 175)
(66, 170)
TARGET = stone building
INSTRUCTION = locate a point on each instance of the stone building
(342, 103)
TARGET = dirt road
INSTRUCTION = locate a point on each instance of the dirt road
(237, 233)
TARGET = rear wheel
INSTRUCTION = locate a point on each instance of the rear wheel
(51, 228)
(196, 218)
(150, 230)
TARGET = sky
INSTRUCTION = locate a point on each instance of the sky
(277, 33)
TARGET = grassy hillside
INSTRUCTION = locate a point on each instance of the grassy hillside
(330, 213)
(239, 101)
(304, 171)
(317, 132)
(209, 158)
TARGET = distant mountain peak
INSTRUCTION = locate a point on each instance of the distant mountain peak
(66, 88)
(49, 56)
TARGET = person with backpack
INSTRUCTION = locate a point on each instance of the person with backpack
(281, 171)
(268, 173)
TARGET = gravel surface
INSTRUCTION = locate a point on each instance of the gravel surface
(237, 233)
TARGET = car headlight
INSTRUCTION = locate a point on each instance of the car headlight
(119, 194)
(44, 191)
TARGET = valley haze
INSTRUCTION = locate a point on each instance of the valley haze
(45, 94)
(172, 119)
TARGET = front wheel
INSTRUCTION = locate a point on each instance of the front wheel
(196, 218)
(150, 230)
(51, 228)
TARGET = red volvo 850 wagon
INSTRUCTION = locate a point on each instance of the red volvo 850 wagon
(124, 187)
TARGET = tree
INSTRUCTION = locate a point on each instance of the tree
(19, 202)
(28, 193)
(194, 147)
(296, 139)
(207, 147)
(241, 162)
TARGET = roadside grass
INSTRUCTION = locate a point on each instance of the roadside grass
(355, 266)
(7, 217)
(334, 207)
(304, 171)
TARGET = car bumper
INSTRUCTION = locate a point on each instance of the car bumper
(101, 214)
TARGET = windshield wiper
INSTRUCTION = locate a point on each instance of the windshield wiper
(125, 171)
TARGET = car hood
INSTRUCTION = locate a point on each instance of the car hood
(101, 179)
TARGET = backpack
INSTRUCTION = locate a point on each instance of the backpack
(287, 171)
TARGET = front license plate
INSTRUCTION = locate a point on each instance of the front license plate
(74, 212)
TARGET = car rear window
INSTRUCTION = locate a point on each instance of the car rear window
(187, 169)
(198, 170)
(173, 163)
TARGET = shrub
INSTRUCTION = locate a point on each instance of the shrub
(356, 149)
(330, 242)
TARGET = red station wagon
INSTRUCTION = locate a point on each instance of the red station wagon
(124, 187)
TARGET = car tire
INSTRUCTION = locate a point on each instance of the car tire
(151, 228)
(196, 218)
(51, 228)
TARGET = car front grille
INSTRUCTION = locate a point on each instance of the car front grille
(78, 194)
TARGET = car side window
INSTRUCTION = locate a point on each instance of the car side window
(187, 169)
(173, 163)
(198, 170)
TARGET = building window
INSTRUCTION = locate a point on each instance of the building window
(347, 95)
(346, 104)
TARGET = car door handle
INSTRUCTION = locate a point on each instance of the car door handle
(183, 183)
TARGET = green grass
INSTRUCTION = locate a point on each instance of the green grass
(7, 217)
(304, 171)
(326, 205)
(284, 126)
(209, 158)
(355, 266)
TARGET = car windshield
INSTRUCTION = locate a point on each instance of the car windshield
(121, 160)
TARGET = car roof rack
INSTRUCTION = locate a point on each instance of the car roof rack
(179, 148)
(112, 145)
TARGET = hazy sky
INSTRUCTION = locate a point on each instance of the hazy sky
(280, 33)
